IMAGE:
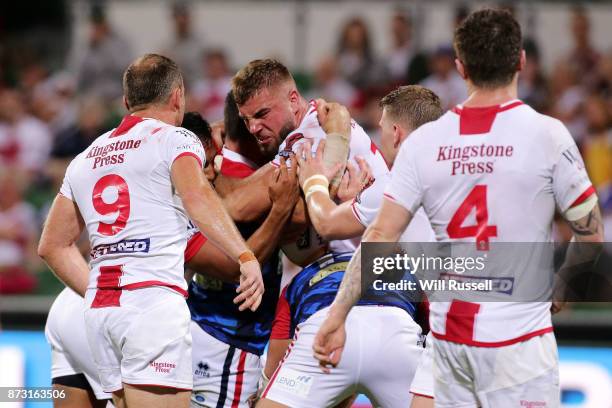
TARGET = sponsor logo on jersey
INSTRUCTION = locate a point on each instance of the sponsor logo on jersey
(162, 366)
(289, 142)
(462, 157)
(202, 370)
(128, 246)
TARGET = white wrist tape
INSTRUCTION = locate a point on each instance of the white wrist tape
(314, 189)
(320, 178)
(581, 210)
(336, 151)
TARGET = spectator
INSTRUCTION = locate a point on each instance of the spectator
(405, 64)
(567, 96)
(76, 138)
(598, 144)
(330, 86)
(18, 232)
(105, 60)
(533, 87)
(444, 80)
(209, 93)
(583, 56)
(185, 48)
(25, 141)
(356, 60)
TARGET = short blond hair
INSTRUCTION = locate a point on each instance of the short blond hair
(257, 75)
(412, 105)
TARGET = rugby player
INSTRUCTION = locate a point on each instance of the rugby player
(133, 190)
(404, 110)
(499, 353)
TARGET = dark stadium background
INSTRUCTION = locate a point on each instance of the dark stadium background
(58, 91)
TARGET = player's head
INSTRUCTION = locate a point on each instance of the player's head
(404, 110)
(488, 46)
(194, 122)
(237, 132)
(154, 81)
(268, 101)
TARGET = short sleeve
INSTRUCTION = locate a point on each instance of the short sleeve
(181, 142)
(66, 188)
(405, 188)
(368, 202)
(571, 183)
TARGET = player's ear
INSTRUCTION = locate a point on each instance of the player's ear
(398, 134)
(460, 68)
(125, 103)
(176, 98)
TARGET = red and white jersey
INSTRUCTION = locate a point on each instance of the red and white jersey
(360, 145)
(484, 175)
(136, 223)
(367, 205)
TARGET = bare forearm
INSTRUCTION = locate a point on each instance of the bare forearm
(69, 266)
(320, 208)
(350, 287)
(246, 199)
(206, 209)
(265, 240)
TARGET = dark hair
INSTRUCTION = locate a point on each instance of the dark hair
(195, 123)
(413, 105)
(235, 128)
(257, 75)
(343, 40)
(488, 43)
(149, 80)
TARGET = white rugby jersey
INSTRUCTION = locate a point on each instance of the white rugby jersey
(490, 174)
(360, 145)
(136, 223)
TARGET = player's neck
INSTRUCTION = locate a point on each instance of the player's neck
(163, 115)
(479, 97)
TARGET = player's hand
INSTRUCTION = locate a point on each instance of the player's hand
(285, 190)
(251, 287)
(333, 117)
(329, 342)
(354, 181)
(310, 165)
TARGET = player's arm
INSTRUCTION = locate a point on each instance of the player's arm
(284, 192)
(330, 220)
(584, 249)
(246, 199)
(57, 245)
(391, 221)
(206, 210)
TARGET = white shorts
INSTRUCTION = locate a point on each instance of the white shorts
(65, 333)
(525, 374)
(379, 359)
(223, 375)
(423, 382)
(145, 341)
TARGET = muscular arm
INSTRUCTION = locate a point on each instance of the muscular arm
(57, 244)
(391, 221)
(205, 208)
(212, 262)
(582, 254)
(333, 221)
(247, 199)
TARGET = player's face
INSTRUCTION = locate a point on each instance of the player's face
(388, 137)
(269, 117)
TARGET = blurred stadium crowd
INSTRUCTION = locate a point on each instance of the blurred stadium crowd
(48, 116)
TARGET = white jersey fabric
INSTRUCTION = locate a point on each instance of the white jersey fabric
(135, 221)
(360, 145)
(483, 175)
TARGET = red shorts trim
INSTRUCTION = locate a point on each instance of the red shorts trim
(147, 284)
(280, 365)
(158, 385)
(422, 395)
(492, 344)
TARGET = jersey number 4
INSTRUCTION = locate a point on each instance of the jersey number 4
(476, 199)
(121, 205)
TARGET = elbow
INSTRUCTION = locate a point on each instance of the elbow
(44, 249)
